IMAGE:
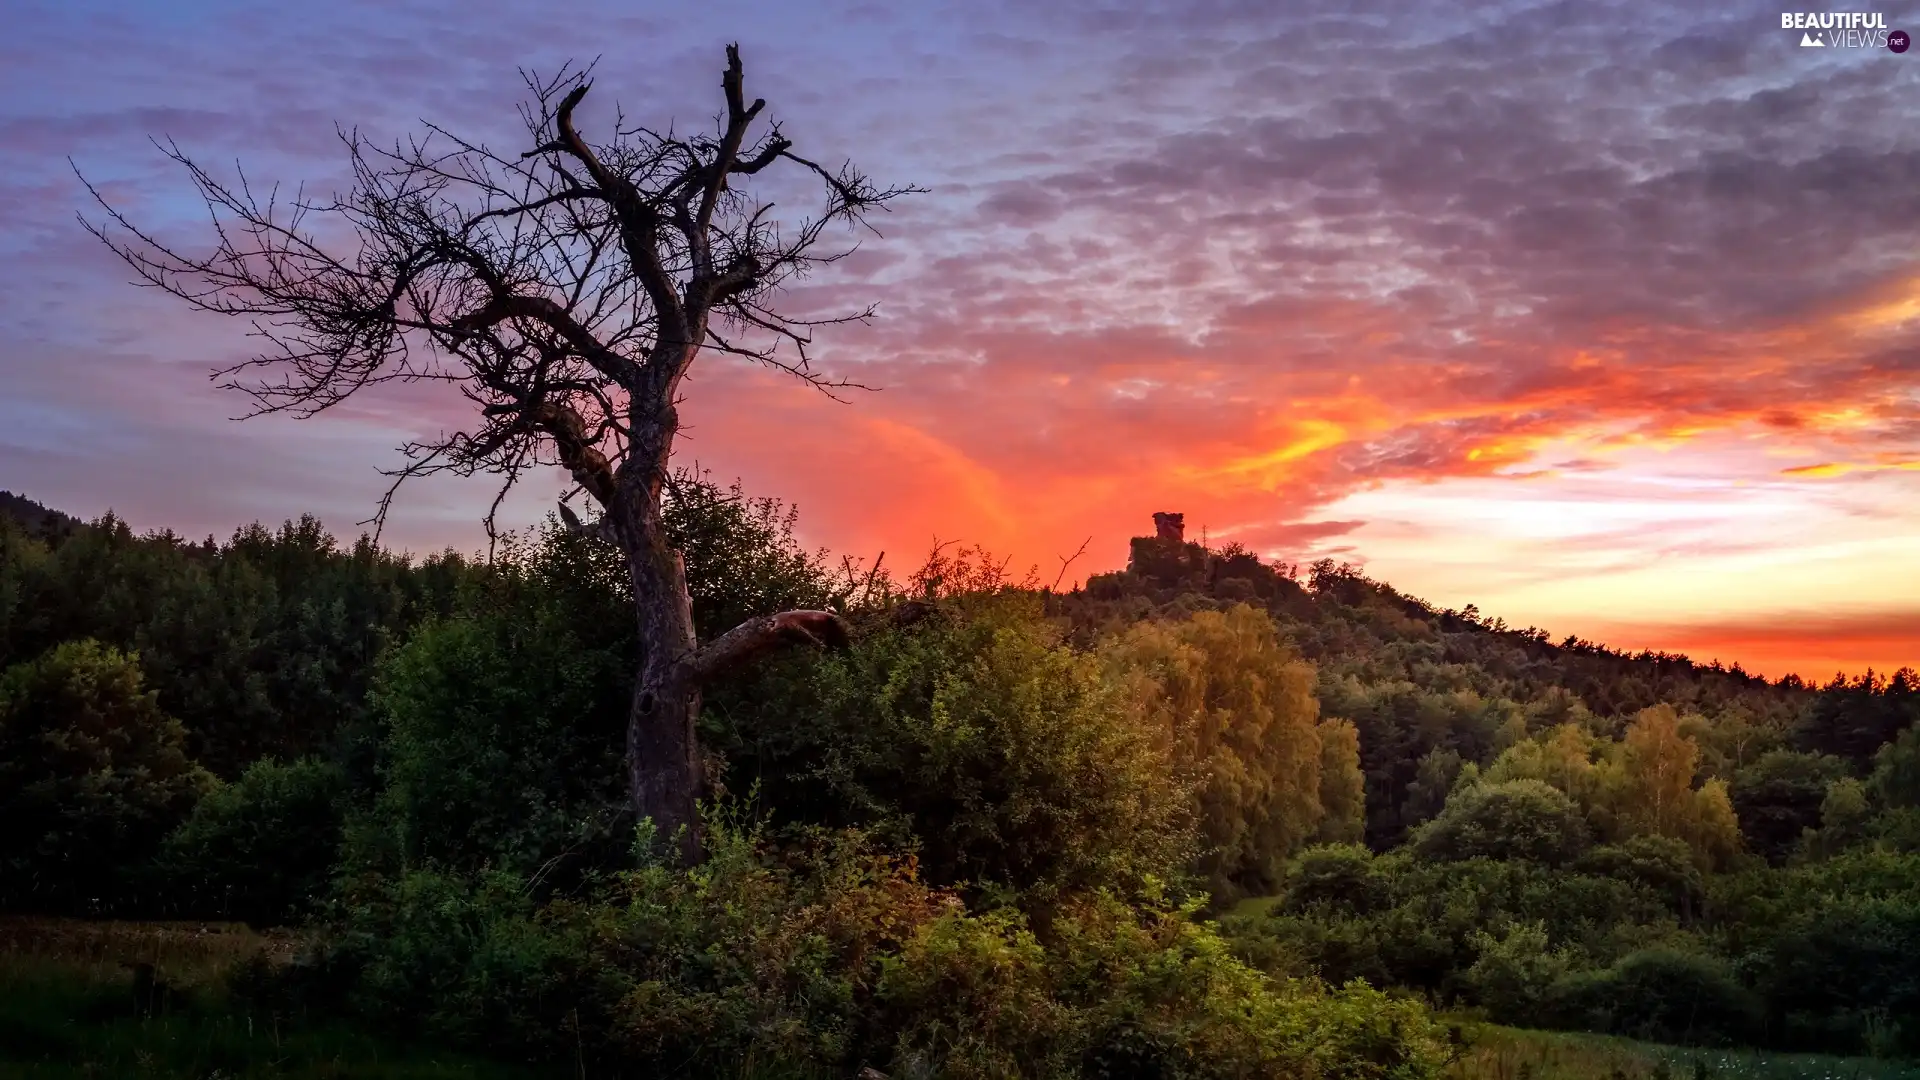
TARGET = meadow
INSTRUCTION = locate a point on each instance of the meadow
(73, 1003)
(1503, 1053)
(69, 1009)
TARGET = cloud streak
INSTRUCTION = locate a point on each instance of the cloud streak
(1326, 277)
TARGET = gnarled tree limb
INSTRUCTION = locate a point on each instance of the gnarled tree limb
(762, 634)
(565, 291)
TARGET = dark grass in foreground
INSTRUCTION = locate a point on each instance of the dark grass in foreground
(69, 1008)
(1498, 1053)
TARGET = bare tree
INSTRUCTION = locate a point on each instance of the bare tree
(566, 291)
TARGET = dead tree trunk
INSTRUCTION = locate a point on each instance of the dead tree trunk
(566, 291)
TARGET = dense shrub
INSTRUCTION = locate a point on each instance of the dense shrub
(837, 955)
(979, 738)
(1515, 970)
(1518, 819)
(502, 748)
(1395, 920)
(1830, 947)
(92, 776)
(1660, 863)
(1334, 876)
(259, 849)
(1660, 995)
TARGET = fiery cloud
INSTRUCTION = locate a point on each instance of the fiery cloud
(1600, 318)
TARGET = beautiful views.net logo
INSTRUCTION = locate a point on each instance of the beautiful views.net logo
(1844, 30)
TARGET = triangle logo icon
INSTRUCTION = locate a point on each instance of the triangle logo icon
(1809, 41)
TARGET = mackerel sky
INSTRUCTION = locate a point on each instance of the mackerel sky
(1601, 316)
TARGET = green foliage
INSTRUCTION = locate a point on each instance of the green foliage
(1343, 787)
(92, 775)
(1335, 877)
(1237, 706)
(1432, 783)
(1647, 787)
(1517, 819)
(742, 557)
(981, 739)
(261, 646)
(968, 853)
(1777, 797)
(502, 747)
(1896, 770)
(1853, 718)
(836, 955)
(1662, 995)
(1662, 864)
(260, 849)
(1829, 946)
(1394, 920)
(1641, 785)
(1515, 970)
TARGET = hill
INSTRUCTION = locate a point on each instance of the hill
(36, 519)
(991, 785)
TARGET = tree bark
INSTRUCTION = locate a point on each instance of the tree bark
(663, 766)
(663, 758)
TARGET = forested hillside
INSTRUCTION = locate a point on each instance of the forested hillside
(1158, 825)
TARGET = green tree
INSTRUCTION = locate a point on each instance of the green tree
(1439, 769)
(261, 848)
(980, 737)
(1562, 757)
(92, 776)
(1896, 770)
(1845, 819)
(1514, 971)
(1514, 819)
(1777, 797)
(1237, 705)
(1343, 787)
(1646, 788)
(501, 747)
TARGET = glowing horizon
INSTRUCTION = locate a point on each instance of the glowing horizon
(1603, 321)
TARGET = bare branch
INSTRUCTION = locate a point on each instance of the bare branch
(1068, 560)
(563, 292)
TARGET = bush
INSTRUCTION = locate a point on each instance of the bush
(1660, 995)
(1338, 876)
(1516, 819)
(978, 737)
(835, 955)
(1661, 863)
(260, 849)
(92, 776)
(1829, 946)
(1395, 920)
(503, 741)
(1515, 970)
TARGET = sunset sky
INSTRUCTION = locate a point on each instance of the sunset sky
(1602, 316)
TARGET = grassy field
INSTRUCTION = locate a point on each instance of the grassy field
(68, 1009)
(105, 1000)
(1498, 1053)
